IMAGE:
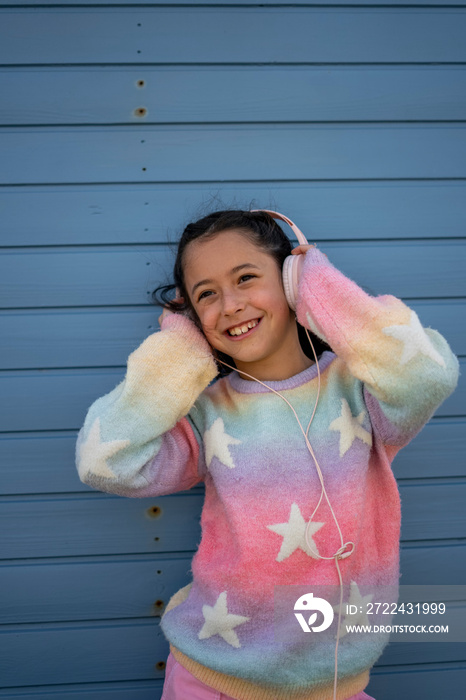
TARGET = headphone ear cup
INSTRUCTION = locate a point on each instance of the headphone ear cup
(291, 273)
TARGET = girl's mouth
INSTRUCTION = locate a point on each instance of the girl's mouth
(242, 330)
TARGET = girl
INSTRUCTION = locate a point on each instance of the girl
(167, 426)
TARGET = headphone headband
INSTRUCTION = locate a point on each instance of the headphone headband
(276, 215)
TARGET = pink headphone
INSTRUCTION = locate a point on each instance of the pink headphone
(293, 263)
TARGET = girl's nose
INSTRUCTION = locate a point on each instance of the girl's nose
(232, 303)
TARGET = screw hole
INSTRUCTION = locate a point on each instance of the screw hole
(159, 571)
(158, 608)
(140, 83)
(157, 539)
(160, 665)
(144, 169)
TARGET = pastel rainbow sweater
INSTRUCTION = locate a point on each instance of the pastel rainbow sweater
(167, 427)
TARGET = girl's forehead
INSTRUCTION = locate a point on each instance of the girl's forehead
(224, 247)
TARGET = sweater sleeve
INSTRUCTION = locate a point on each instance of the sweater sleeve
(136, 440)
(407, 371)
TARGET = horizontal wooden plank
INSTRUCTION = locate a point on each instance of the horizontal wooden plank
(437, 451)
(83, 653)
(432, 682)
(116, 95)
(127, 275)
(397, 654)
(59, 340)
(106, 337)
(98, 524)
(59, 399)
(432, 510)
(131, 651)
(34, 463)
(39, 463)
(210, 35)
(93, 214)
(129, 690)
(432, 564)
(307, 3)
(51, 590)
(116, 588)
(44, 155)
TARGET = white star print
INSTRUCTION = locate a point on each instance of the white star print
(360, 616)
(216, 442)
(93, 453)
(294, 534)
(415, 341)
(219, 621)
(350, 428)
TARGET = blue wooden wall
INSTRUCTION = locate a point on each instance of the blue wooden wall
(122, 122)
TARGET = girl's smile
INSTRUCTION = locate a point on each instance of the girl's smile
(242, 330)
(236, 290)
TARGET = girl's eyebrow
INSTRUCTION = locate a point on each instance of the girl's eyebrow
(232, 272)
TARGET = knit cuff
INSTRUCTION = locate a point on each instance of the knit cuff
(314, 257)
(314, 262)
(181, 323)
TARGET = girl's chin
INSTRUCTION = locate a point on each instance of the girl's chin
(242, 359)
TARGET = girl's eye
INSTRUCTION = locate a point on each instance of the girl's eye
(246, 277)
(202, 294)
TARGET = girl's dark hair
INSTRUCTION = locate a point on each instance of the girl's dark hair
(262, 230)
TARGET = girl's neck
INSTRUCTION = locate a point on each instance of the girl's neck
(274, 371)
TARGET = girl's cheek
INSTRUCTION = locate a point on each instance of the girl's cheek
(207, 323)
(208, 317)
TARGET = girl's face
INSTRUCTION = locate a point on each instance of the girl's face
(236, 289)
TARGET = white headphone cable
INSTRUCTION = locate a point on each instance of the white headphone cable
(340, 553)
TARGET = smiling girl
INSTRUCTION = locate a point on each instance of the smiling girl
(235, 290)
(168, 426)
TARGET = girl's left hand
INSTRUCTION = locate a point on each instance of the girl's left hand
(301, 249)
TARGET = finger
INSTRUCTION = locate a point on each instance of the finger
(301, 249)
(166, 312)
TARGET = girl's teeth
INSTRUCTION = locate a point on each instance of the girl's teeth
(239, 330)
